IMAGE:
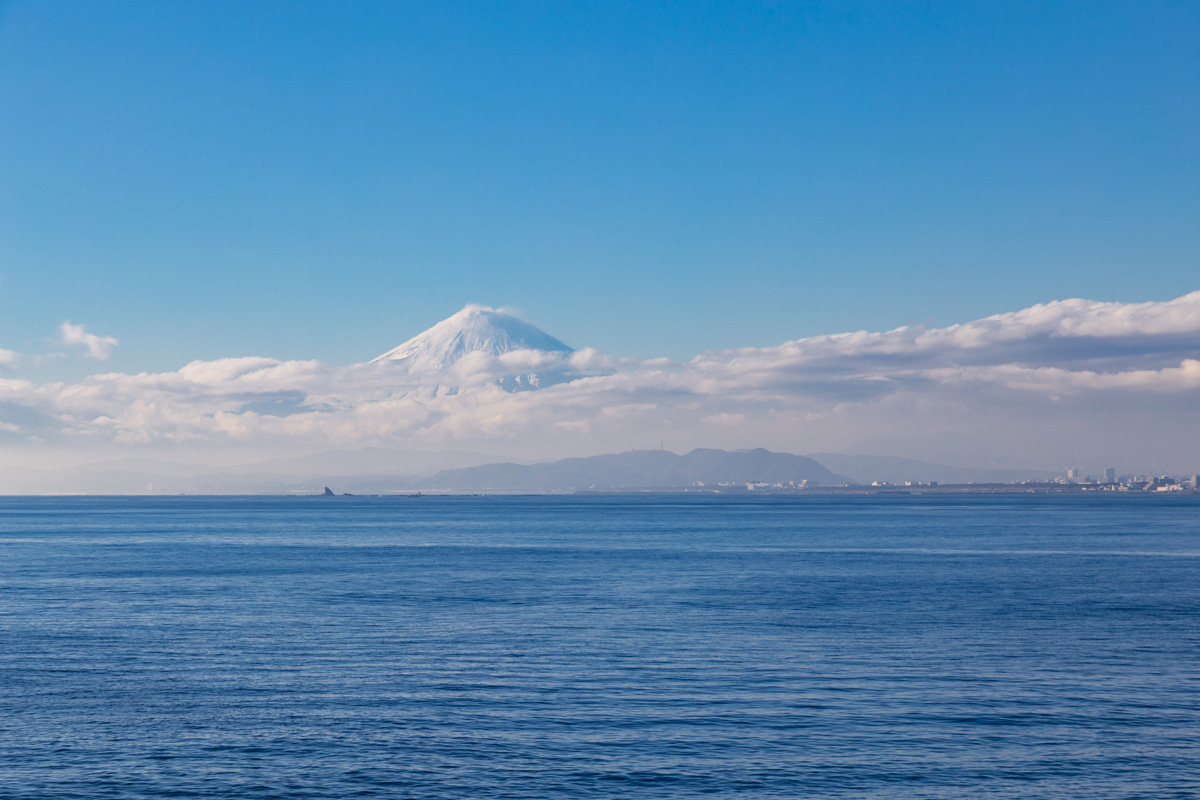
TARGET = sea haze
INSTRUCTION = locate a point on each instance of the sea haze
(600, 646)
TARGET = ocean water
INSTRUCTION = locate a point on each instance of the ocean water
(647, 646)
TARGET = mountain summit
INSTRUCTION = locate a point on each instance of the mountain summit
(475, 329)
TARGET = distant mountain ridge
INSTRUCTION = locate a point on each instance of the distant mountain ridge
(380, 471)
(639, 469)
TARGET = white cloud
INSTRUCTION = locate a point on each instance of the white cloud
(1056, 381)
(1008, 378)
(98, 347)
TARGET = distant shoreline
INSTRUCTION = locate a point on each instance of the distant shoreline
(730, 492)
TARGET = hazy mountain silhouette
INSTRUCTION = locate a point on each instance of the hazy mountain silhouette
(639, 469)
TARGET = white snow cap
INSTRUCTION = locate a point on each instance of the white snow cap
(475, 329)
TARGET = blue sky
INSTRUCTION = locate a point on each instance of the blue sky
(324, 180)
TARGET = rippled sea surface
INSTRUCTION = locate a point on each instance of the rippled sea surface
(604, 646)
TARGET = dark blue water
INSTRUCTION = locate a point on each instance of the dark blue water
(546, 647)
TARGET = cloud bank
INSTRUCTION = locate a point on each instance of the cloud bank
(1058, 382)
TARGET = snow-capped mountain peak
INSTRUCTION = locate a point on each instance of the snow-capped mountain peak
(475, 329)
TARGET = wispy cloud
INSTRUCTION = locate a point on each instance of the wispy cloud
(98, 347)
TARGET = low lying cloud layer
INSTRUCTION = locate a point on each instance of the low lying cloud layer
(1063, 381)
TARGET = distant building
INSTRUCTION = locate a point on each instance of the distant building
(1110, 475)
(1072, 474)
